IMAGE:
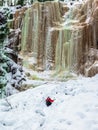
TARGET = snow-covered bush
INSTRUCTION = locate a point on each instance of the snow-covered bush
(3, 58)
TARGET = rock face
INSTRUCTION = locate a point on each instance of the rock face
(90, 68)
(16, 16)
(60, 37)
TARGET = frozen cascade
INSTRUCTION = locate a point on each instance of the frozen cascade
(59, 37)
(49, 51)
(38, 37)
(68, 49)
(25, 30)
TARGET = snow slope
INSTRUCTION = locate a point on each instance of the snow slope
(75, 107)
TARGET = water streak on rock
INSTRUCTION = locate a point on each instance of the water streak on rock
(59, 37)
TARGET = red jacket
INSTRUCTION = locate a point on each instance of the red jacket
(49, 100)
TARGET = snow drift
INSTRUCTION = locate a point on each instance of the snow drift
(75, 107)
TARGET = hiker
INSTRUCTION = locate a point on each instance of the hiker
(49, 101)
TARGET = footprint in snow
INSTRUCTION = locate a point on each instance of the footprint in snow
(96, 105)
(81, 115)
(42, 123)
(66, 121)
(7, 123)
(40, 113)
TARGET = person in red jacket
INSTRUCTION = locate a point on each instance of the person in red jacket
(49, 101)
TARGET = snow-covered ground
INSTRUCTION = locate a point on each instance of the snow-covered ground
(75, 107)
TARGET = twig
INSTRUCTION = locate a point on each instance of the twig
(8, 102)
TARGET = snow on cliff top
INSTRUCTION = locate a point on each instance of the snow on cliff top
(75, 107)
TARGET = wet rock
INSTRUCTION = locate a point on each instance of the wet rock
(25, 87)
(13, 70)
(18, 6)
(21, 69)
(14, 39)
(28, 74)
(12, 54)
(21, 80)
(90, 67)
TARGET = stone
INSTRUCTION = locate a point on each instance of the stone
(91, 65)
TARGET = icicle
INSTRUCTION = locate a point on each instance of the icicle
(48, 51)
(25, 31)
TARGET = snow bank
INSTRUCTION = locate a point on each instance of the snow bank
(75, 107)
